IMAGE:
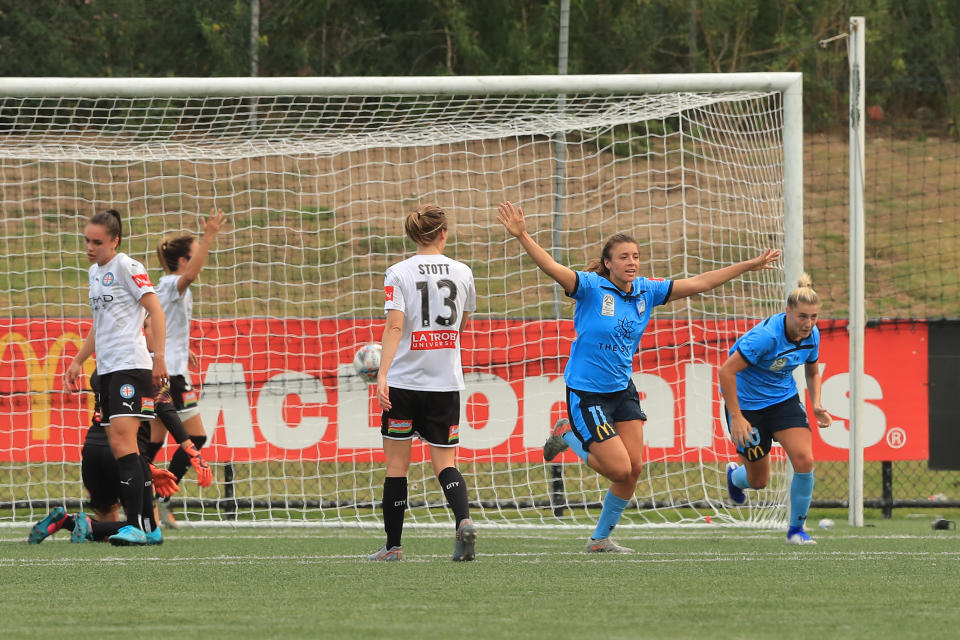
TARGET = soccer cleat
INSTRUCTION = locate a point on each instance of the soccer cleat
(154, 537)
(605, 545)
(736, 493)
(129, 536)
(555, 445)
(166, 515)
(82, 528)
(51, 523)
(796, 535)
(393, 554)
(465, 548)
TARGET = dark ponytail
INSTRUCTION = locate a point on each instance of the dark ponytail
(110, 219)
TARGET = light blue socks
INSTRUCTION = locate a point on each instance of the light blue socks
(575, 445)
(739, 477)
(801, 492)
(610, 515)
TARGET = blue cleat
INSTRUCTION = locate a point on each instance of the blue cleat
(154, 537)
(736, 493)
(129, 536)
(796, 535)
(82, 528)
(50, 524)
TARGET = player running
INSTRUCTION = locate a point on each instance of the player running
(763, 404)
(121, 295)
(182, 258)
(613, 307)
(428, 300)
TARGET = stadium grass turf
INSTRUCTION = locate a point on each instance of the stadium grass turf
(896, 578)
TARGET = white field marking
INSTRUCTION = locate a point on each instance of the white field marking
(297, 533)
(567, 557)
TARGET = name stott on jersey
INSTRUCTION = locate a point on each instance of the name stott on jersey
(115, 292)
(179, 311)
(609, 326)
(772, 358)
(434, 292)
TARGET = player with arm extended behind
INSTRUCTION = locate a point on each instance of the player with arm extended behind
(613, 307)
(763, 404)
(428, 299)
(121, 294)
(182, 258)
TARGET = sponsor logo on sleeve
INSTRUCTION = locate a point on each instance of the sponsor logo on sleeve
(388, 293)
(142, 280)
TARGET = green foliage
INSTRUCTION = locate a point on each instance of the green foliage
(913, 49)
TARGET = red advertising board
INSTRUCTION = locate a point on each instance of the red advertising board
(283, 389)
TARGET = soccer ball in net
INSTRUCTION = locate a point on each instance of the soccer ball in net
(367, 362)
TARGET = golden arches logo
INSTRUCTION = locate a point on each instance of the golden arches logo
(42, 379)
(754, 453)
(604, 431)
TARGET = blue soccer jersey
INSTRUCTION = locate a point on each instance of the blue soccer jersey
(609, 324)
(772, 357)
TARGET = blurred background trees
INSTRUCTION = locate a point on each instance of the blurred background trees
(913, 49)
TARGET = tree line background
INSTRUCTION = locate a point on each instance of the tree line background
(913, 50)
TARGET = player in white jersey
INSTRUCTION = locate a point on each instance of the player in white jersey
(182, 258)
(121, 295)
(428, 299)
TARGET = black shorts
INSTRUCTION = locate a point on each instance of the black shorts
(593, 416)
(434, 416)
(127, 393)
(179, 392)
(787, 414)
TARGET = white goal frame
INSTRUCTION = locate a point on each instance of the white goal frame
(788, 85)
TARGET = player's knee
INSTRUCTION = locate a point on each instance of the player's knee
(802, 463)
(620, 473)
(758, 479)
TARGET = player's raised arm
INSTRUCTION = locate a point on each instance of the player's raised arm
(712, 279)
(511, 217)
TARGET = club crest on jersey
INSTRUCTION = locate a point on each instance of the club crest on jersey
(127, 391)
(778, 364)
(641, 306)
(608, 306)
(107, 279)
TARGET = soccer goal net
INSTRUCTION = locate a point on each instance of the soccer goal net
(316, 176)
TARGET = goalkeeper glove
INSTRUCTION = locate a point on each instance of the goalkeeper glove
(164, 482)
(204, 475)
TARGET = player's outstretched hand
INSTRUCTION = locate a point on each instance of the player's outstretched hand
(765, 260)
(204, 474)
(164, 482)
(511, 217)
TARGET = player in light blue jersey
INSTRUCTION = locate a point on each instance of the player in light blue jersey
(613, 306)
(763, 404)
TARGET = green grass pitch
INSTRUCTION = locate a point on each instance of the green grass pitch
(892, 579)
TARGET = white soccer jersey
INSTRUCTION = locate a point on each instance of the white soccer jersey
(433, 292)
(179, 311)
(115, 292)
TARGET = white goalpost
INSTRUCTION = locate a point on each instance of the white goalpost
(316, 176)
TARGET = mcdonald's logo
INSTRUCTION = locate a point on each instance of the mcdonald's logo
(604, 431)
(754, 453)
(42, 379)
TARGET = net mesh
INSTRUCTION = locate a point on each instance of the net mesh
(316, 189)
